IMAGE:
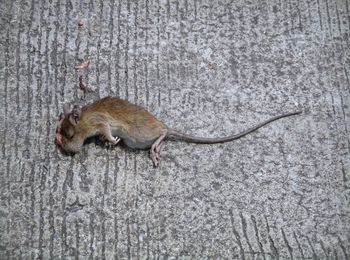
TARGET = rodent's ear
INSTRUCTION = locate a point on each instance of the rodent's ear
(67, 109)
(75, 115)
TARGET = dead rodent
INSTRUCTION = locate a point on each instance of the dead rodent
(116, 119)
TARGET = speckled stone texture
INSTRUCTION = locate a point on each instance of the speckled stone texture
(209, 68)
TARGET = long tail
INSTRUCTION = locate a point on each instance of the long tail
(203, 140)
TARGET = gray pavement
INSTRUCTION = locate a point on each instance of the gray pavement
(209, 68)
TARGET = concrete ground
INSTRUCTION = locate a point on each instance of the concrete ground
(209, 68)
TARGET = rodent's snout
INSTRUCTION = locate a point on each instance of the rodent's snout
(58, 139)
(58, 136)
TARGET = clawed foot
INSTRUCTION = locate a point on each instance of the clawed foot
(155, 155)
(113, 141)
(155, 149)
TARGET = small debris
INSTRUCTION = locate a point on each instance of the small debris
(82, 65)
(82, 87)
(212, 66)
(81, 84)
(58, 137)
(80, 23)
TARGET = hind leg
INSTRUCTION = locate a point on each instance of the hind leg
(155, 150)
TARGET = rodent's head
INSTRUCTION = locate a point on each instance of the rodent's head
(68, 133)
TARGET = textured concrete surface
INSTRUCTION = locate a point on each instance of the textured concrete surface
(205, 67)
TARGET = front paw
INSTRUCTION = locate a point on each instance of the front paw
(115, 141)
(112, 140)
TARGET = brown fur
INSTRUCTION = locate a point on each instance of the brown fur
(110, 112)
(138, 129)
